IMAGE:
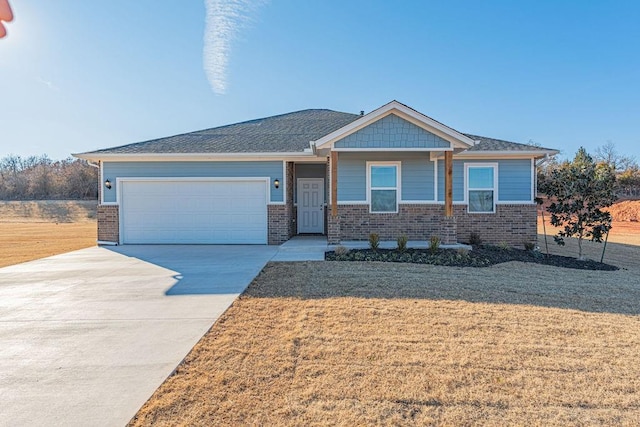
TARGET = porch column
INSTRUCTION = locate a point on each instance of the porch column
(449, 227)
(334, 184)
(448, 183)
(333, 221)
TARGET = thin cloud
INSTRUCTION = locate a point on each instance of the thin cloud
(47, 83)
(224, 20)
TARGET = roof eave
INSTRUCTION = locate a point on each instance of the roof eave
(188, 156)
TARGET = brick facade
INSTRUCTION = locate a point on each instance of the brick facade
(279, 224)
(108, 223)
(511, 224)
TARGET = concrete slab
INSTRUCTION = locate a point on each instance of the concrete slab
(86, 337)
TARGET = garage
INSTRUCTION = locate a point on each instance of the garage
(193, 211)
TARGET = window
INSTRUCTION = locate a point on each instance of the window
(481, 188)
(383, 187)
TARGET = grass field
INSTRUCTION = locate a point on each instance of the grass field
(330, 343)
(32, 230)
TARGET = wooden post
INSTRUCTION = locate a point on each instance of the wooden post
(334, 184)
(448, 183)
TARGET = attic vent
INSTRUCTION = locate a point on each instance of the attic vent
(362, 112)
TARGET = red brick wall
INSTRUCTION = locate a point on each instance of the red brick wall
(108, 223)
(511, 224)
(279, 224)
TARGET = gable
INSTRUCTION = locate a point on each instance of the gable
(392, 132)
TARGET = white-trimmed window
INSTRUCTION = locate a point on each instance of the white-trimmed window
(481, 187)
(383, 185)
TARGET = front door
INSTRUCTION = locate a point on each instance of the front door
(310, 205)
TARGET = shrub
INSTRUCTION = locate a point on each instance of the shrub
(402, 242)
(504, 246)
(463, 253)
(434, 244)
(529, 246)
(374, 241)
(474, 239)
(341, 250)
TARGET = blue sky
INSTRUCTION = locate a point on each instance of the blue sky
(81, 75)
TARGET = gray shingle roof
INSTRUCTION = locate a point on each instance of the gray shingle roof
(492, 144)
(285, 133)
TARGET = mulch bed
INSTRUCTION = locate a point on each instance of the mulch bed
(480, 256)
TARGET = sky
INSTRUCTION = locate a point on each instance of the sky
(79, 75)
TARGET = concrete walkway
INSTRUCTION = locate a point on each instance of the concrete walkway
(86, 337)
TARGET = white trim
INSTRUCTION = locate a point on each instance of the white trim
(373, 149)
(101, 184)
(454, 137)
(324, 203)
(121, 180)
(283, 181)
(435, 179)
(495, 167)
(534, 180)
(398, 187)
(504, 154)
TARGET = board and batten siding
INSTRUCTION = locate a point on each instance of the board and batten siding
(392, 132)
(514, 179)
(416, 175)
(272, 169)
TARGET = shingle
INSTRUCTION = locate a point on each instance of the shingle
(290, 132)
(492, 144)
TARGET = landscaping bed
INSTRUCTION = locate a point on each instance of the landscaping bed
(480, 256)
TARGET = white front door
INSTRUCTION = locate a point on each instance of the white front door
(310, 205)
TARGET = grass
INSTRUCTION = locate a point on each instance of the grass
(33, 230)
(335, 343)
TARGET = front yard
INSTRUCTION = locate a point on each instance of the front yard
(355, 343)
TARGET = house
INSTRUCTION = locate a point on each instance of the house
(393, 171)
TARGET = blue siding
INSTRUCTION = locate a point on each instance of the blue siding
(417, 175)
(417, 179)
(392, 132)
(514, 180)
(458, 180)
(272, 169)
(352, 178)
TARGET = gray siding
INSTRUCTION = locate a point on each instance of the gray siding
(417, 175)
(392, 132)
(271, 169)
(514, 179)
(458, 180)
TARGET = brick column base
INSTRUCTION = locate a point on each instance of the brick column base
(449, 230)
(108, 223)
(333, 230)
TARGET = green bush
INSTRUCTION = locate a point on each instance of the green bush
(374, 241)
(529, 246)
(434, 244)
(474, 239)
(402, 242)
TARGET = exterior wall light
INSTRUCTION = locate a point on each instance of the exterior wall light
(107, 184)
(276, 183)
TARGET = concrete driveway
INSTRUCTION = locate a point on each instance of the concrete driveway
(87, 336)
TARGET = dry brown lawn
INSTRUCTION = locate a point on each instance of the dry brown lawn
(32, 230)
(346, 343)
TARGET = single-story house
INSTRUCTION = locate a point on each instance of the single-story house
(393, 171)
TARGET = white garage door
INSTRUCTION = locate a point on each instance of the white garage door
(199, 211)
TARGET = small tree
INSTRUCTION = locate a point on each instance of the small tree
(577, 191)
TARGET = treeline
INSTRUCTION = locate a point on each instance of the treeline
(626, 169)
(40, 178)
